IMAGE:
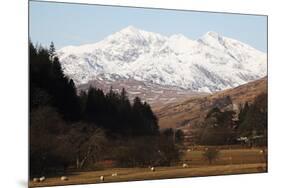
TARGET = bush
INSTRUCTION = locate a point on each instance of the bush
(139, 151)
(211, 154)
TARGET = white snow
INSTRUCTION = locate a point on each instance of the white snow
(209, 64)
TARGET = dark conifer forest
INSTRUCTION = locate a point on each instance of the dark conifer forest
(111, 111)
(75, 130)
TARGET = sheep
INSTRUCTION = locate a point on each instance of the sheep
(184, 165)
(101, 178)
(152, 169)
(35, 179)
(42, 179)
(114, 174)
(64, 178)
(261, 151)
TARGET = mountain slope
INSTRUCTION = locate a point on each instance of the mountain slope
(188, 112)
(155, 95)
(209, 64)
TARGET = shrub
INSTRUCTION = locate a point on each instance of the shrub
(211, 154)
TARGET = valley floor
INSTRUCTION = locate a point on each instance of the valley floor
(231, 161)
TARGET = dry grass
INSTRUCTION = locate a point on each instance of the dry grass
(243, 161)
(227, 156)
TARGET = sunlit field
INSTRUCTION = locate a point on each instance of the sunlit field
(230, 161)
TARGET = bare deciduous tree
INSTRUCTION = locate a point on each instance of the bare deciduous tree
(87, 143)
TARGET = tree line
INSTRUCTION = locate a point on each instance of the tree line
(252, 122)
(221, 127)
(111, 111)
(74, 131)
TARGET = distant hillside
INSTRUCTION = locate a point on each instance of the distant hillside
(186, 113)
(154, 94)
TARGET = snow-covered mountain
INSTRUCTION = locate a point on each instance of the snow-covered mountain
(209, 64)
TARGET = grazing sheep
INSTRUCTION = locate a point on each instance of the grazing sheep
(64, 178)
(261, 151)
(114, 174)
(184, 165)
(42, 179)
(152, 169)
(101, 178)
(35, 179)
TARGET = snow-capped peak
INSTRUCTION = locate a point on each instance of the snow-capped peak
(212, 39)
(212, 34)
(129, 29)
(211, 63)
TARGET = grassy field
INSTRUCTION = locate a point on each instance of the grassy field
(242, 161)
(227, 156)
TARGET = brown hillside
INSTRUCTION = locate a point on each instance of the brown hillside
(184, 114)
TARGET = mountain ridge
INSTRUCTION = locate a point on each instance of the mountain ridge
(208, 64)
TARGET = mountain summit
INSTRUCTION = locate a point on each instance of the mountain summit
(208, 64)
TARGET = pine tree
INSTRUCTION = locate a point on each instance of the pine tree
(124, 96)
(52, 51)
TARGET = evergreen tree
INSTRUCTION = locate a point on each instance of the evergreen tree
(72, 106)
(47, 77)
(253, 118)
(52, 51)
(57, 70)
(217, 128)
(112, 111)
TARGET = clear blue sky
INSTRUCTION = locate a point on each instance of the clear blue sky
(74, 24)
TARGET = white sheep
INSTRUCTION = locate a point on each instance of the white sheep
(261, 151)
(101, 178)
(35, 179)
(64, 178)
(184, 165)
(114, 174)
(152, 169)
(42, 179)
